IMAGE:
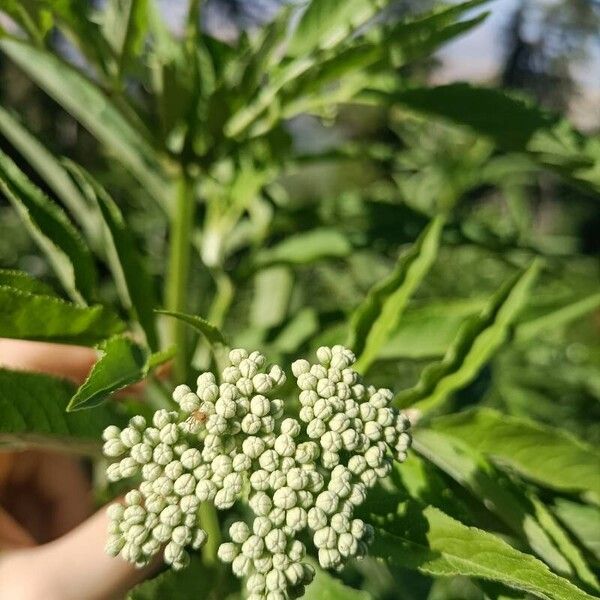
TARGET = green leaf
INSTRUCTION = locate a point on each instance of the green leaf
(475, 344)
(546, 455)
(49, 169)
(33, 316)
(582, 520)
(121, 363)
(297, 331)
(128, 267)
(306, 248)
(326, 587)
(440, 546)
(19, 280)
(564, 544)
(93, 110)
(473, 472)
(272, 291)
(379, 314)
(51, 230)
(513, 124)
(208, 330)
(195, 581)
(327, 22)
(32, 413)
(557, 318)
(427, 331)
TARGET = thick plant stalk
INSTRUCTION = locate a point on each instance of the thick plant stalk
(182, 225)
(178, 274)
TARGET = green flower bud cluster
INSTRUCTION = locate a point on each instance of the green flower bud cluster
(232, 442)
(164, 510)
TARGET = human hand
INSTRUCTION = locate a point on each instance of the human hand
(50, 546)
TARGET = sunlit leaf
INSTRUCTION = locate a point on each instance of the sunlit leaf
(379, 314)
(128, 267)
(95, 112)
(34, 316)
(121, 363)
(49, 169)
(305, 248)
(438, 545)
(51, 230)
(513, 124)
(582, 520)
(472, 471)
(208, 330)
(326, 587)
(326, 22)
(23, 282)
(475, 344)
(547, 455)
(272, 290)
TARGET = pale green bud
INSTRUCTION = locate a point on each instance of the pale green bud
(253, 446)
(110, 433)
(275, 580)
(113, 447)
(130, 437)
(128, 467)
(171, 515)
(329, 558)
(260, 503)
(241, 565)
(162, 533)
(227, 552)
(327, 501)
(316, 428)
(307, 381)
(255, 583)
(199, 539)
(275, 541)
(179, 392)
(185, 484)
(205, 490)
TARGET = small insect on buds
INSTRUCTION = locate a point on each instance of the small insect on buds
(230, 442)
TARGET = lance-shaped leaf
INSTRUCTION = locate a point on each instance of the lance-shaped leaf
(131, 277)
(379, 314)
(498, 494)
(324, 23)
(564, 543)
(475, 344)
(556, 318)
(513, 124)
(29, 315)
(121, 363)
(81, 98)
(582, 520)
(49, 168)
(32, 413)
(208, 330)
(546, 455)
(52, 231)
(438, 545)
(19, 280)
(305, 248)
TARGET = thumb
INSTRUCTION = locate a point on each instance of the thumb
(75, 566)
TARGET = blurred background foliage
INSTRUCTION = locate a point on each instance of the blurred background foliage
(330, 199)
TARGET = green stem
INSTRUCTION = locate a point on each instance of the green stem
(182, 221)
(182, 225)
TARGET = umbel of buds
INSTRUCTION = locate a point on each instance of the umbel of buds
(231, 442)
